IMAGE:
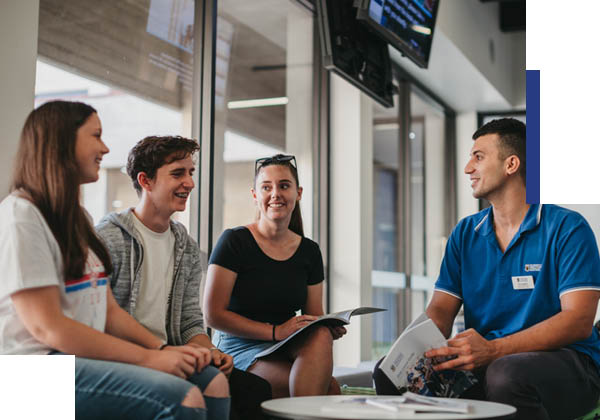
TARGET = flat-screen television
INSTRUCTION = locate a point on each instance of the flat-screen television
(353, 51)
(407, 25)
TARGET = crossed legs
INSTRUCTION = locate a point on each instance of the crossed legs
(215, 392)
(303, 367)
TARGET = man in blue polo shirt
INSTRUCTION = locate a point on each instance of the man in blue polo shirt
(528, 277)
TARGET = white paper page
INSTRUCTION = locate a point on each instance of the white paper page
(453, 404)
(420, 319)
(343, 315)
(362, 406)
(408, 349)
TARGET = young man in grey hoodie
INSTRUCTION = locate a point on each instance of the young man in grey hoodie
(157, 267)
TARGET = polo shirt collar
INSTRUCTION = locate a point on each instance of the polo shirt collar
(532, 219)
(486, 224)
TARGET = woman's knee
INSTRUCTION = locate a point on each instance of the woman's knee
(193, 399)
(318, 342)
(334, 387)
(218, 387)
(322, 336)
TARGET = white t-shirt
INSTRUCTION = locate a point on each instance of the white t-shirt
(30, 257)
(156, 278)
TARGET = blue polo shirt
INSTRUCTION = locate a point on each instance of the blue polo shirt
(555, 246)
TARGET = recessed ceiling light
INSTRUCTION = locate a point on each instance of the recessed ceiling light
(254, 103)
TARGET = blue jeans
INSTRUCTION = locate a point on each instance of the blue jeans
(122, 391)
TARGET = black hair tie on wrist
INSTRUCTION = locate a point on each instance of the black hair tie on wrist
(274, 332)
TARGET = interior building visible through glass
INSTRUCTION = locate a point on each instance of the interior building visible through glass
(426, 148)
(133, 62)
(263, 101)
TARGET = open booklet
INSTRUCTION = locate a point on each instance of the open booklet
(338, 318)
(409, 370)
(407, 403)
(420, 403)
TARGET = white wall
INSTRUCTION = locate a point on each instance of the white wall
(351, 224)
(462, 71)
(466, 124)
(298, 122)
(518, 67)
(434, 190)
(18, 52)
(474, 27)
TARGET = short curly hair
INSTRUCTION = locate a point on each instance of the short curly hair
(152, 152)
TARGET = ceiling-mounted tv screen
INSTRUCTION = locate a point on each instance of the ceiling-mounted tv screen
(353, 51)
(407, 25)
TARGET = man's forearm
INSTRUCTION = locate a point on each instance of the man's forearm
(442, 319)
(442, 310)
(560, 330)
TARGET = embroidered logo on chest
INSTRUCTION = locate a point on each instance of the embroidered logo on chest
(533, 267)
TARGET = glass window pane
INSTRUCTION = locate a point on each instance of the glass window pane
(428, 199)
(427, 208)
(388, 283)
(133, 62)
(263, 102)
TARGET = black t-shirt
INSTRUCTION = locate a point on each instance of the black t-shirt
(267, 290)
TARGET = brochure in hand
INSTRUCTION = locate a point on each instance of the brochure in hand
(409, 370)
(335, 319)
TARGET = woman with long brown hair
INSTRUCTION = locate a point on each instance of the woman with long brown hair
(259, 276)
(54, 295)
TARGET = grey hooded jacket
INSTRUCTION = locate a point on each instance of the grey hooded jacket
(184, 315)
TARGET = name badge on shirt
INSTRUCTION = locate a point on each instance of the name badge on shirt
(522, 282)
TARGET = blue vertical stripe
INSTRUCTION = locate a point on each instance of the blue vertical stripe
(533, 137)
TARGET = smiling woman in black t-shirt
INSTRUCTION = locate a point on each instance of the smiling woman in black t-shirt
(259, 276)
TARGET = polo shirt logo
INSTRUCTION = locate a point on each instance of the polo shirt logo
(533, 267)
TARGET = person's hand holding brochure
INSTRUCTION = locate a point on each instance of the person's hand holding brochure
(334, 319)
(409, 370)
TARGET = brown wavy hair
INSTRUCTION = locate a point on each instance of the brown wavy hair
(152, 152)
(46, 173)
(296, 224)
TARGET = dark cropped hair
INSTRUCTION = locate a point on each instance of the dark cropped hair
(512, 139)
(152, 152)
(296, 224)
(46, 173)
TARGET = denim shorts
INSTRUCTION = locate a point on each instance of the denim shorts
(119, 390)
(243, 350)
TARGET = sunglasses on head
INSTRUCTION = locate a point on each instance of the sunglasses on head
(274, 160)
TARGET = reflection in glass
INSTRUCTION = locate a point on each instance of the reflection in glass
(425, 199)
(133, 62)
(264, 53)
(387, 281)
